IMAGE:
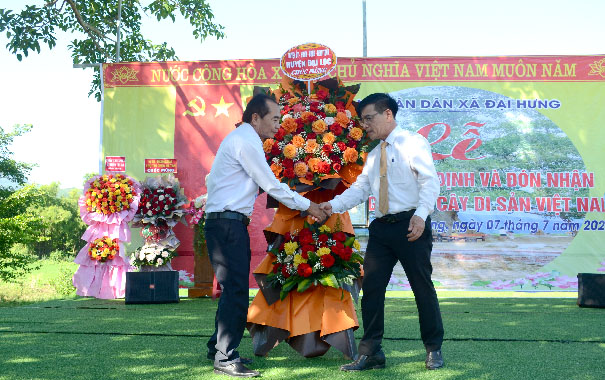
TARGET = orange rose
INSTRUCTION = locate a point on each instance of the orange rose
(311, 146)
(289, 125)
(276, 169)
(350, 155)
(267, 145)
(290, 151)
(342, 119)
(293, 100)
(301, 169)
(313, 162)
(356, 133)
(319, 126)
(307, 116)
(328, 138)
(298, 141)
(330, 108)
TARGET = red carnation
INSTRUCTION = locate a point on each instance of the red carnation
(311, 136)
(308, 248)
(327, 149)
(284, 272)
(304, 255)
(342, 146)
(275, 151)
(340, 106)
(305, 270)
(276, 268)
(279, 136)
(336, 129)
(339, 249)
(327, 261)
(309, 176)
(305, 236)
(339, 236)
(314, 107)
(287, 238)
(322, 239)
(336, 166)
(288, 163)
(352, 144)
(323, 167)
(322, 94)
(300, 122)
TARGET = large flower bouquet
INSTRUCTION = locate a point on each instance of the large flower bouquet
(161, 202)
(196, 210)
(109, 194)
(103, 249)
(319, 134)
(152, 254)
(315, 256)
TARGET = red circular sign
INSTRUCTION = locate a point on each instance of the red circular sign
(308, 61)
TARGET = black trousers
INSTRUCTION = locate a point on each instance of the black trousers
(388, 244)
(229, 250)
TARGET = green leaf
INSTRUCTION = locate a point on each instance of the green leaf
(304, 284)
(329, 279)
(349, 242)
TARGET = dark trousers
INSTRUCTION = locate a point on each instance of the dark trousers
(388, 244)
(229, 250)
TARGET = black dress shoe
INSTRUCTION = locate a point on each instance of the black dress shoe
(364, 362)
(236, 369)
(245, 361)
(434, 360)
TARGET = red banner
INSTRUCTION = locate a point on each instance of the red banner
(115, 164)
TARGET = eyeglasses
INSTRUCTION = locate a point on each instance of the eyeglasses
(368, 118)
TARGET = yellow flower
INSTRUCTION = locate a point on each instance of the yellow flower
(290, 247)
(328, 138)
(290, 151)
(329, 108)
(323, 251)
(298, 259)
(324, 228)
(298, 141)
(356, 245)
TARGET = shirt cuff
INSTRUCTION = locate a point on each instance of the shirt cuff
(304, 202)
(422, 212)
(337, 207)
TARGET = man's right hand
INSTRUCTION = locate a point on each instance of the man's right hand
(326, 207)
(318, 214)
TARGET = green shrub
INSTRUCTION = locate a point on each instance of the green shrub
(62, 281)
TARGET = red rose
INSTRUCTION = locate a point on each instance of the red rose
(275, 151)
(309, 176)
(338, 249)
(321, 114)
(339, 236)
(322, 239)
(287, 108)
(305, 270)
(287, 237)
(327, 261)
(336, 129)
(304, 255)
(340, 106)
(284, 272)
(288, 163)
(311, 136)
(342, 146)
(305, 236)
(327, 149)
(314, 107)
(336, 166)
(346, 256)
(311, 119)
(352, 144)
(300, 122)
(277, 268)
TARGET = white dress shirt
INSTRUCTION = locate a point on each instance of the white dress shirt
(239, 168)
(413, 181)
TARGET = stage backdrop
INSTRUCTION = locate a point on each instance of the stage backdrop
(517, 142)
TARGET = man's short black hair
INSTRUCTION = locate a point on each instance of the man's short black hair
(258, 104)
(381, 102)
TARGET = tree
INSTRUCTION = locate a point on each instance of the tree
(97, 20)
(11, 171)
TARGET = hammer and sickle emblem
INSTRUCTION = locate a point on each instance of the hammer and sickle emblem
(193, 106)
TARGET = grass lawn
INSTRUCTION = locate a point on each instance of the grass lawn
(486, 338)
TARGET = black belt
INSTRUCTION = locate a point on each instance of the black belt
(234, 215)
(394, 218)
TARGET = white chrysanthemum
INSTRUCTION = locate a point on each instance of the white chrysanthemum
(286, 116)
(329, 120)
(165, 254)
(161, 197)
(142, 256)
(160, 261)
(150, 257)
(348, 113)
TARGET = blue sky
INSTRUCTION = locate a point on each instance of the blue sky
(44, 89)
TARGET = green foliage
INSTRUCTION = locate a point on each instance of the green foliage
(62, 282)
(14, 171)
(94, 28)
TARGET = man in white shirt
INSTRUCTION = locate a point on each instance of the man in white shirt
(401, 175)
(236, 174)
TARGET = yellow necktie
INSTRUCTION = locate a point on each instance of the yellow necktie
(383, 190)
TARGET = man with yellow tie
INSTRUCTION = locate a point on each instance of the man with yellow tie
(401, 175)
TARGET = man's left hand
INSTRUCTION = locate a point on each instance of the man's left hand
(416, 228)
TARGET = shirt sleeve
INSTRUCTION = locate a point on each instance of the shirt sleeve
(253, 161)
(354, 195)
(428, 183)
